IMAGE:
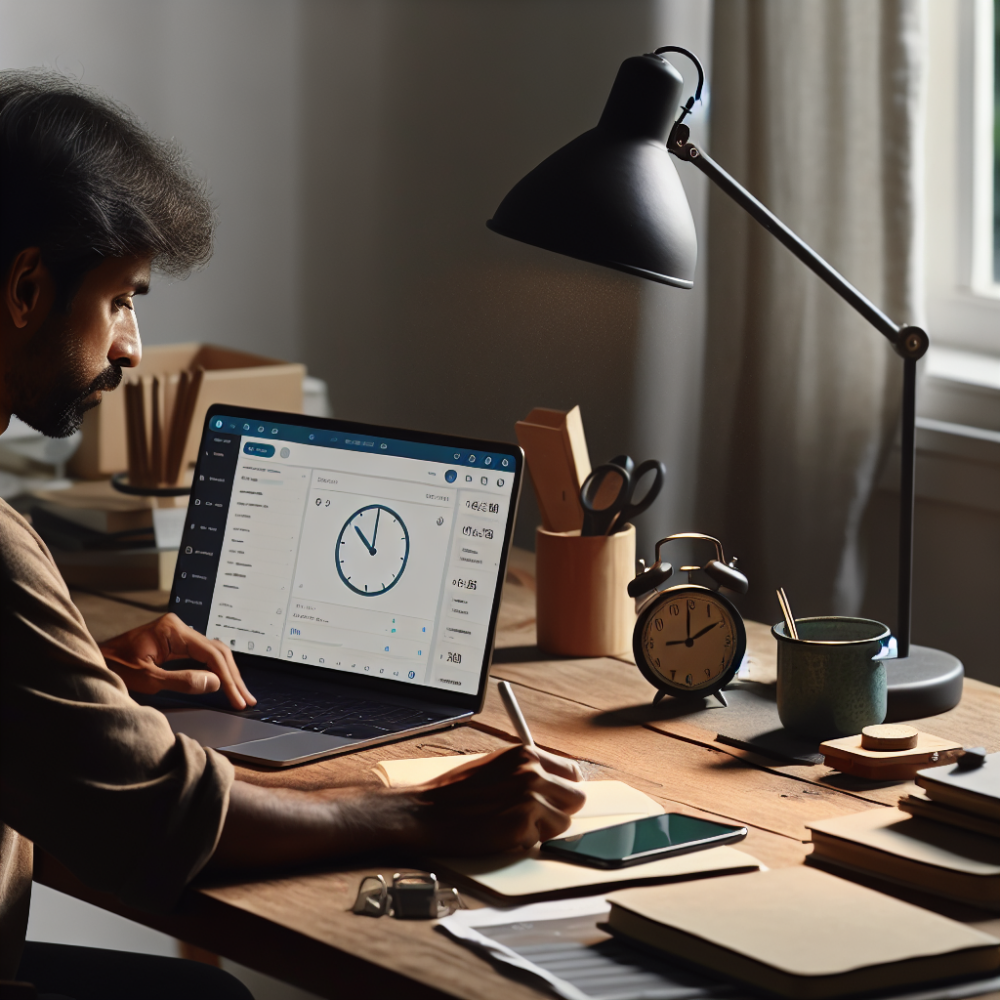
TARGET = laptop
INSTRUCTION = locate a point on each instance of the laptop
(354, 571)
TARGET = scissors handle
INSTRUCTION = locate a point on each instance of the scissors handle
(634, 509)
(599, 520)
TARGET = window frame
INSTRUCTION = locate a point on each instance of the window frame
(962, 302)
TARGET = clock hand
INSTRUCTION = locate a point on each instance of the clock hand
(707, 628)
(378, 514)
(689, 623)
(368, 545)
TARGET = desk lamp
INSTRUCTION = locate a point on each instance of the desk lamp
(613, 197)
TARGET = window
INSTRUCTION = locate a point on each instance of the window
(961, 176)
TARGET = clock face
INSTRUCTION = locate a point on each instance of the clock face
(689, 639)
(372, 550)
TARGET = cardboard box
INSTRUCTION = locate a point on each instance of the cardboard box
(230, 377)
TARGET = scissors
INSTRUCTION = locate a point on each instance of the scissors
(606, 494)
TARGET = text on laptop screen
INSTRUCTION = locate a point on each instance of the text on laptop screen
(367, 555)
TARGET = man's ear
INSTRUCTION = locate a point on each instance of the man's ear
(28, 288)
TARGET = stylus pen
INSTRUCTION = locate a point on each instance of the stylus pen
(516, 717)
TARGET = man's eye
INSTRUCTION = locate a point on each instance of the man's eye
(125, 303)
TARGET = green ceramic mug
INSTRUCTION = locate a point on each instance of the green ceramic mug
(831, 682)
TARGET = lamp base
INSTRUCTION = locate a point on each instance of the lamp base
(927, 682)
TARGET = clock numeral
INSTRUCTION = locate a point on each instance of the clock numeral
(675, 609)
(673, 674)
(689, 680)
(657, 661)
(691, 605)
(729, 640)
(658, 622)
(708, 610)
(708, 673)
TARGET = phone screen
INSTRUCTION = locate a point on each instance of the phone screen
(643, 840)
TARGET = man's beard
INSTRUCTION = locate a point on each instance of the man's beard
(50, 387)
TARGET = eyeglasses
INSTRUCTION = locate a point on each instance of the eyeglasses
(412, 896)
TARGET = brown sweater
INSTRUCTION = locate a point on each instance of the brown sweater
(99, 782)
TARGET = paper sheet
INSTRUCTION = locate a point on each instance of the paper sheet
(560, 944)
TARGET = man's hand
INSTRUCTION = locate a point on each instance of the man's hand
(511, 799)
(507, 801)
(137, 656)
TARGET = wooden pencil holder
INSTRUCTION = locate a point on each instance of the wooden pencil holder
(582, 602)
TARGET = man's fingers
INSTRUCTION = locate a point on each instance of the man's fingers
(546, 822)
(183, 681)
(218, 659)
(562, 766)
(565, 795)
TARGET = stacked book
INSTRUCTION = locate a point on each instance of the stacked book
(964, 797)
(806, 935)
(944, 840)
(105, 540)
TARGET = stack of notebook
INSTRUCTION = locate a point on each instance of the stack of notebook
(967, 798)
(945, 843)
(105, 539)
(801, 933)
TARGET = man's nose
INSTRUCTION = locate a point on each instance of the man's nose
(126, 349)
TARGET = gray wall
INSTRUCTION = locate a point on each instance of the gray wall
(420, 118)
(220, 78)
(355, 150)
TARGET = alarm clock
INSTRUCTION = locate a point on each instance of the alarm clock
(689, 640)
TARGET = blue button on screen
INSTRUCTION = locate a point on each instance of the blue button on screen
(260, 450)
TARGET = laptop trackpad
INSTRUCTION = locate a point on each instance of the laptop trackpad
(288, 748)
(216, 729)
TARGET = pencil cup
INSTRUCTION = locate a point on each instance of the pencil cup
(831, 680)
(582, 602)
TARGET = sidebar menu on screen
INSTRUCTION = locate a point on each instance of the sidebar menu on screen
(204, 529)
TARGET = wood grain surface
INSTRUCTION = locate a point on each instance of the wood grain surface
(297, 925)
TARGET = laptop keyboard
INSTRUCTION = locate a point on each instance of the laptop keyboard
(338, 715)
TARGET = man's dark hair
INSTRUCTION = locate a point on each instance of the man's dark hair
(81, 179)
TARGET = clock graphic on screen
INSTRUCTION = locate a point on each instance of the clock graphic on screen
(372, 550)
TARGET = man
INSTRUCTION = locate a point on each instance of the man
(89, 204)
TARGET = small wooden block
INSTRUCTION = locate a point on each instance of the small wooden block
(851, 757)
(889, 737)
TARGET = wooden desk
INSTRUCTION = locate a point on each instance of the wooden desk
(297, 927)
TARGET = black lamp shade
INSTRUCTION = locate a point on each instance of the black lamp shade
(612, 196)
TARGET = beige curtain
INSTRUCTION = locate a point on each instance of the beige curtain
(816, 108)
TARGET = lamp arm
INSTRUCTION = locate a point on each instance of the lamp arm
(908, 341)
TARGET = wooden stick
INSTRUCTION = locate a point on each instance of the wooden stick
(142, 441)
(194, 390)
(131, 434)
(156, 434)
(173, 458)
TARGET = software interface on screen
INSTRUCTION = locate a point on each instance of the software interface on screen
(360, 554)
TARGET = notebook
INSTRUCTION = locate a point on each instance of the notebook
(976, 790)
(529, 876)
(933, 857)
(801, 933)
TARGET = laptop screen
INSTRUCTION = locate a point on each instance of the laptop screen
(347, 548)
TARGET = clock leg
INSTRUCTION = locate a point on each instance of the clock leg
(658, 697)
(722, 698)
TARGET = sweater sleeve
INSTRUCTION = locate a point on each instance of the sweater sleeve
(90, 776)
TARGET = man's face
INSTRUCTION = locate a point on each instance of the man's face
(73, 357)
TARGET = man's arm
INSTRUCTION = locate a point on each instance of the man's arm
(511, 799)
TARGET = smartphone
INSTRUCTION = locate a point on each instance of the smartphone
(643, 840)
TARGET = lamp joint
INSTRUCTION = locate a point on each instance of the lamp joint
(911, 342)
